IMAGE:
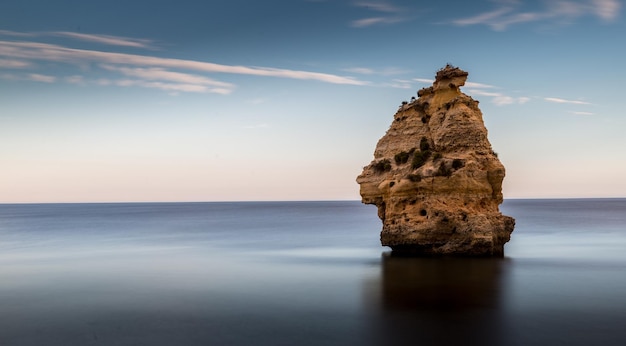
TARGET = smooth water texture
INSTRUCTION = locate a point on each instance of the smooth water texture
(303, 273)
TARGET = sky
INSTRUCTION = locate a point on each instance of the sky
(131, 101)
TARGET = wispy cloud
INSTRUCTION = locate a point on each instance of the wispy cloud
(106, 39)
(582, 113)
(478, 92)
(512, 12)
(173, 80)
(559, 100)
(361, 23)
(389, 14)
(483, 18)
(398, 83)
(503, 100)
(103, 39)
(9, 63)
(606, 9)
(175, 87)
(424, 80)
(41, 78)
(359, 70)
(498, 98)
(151, 71)
(50, 52)
(478, 85)
(387, 71)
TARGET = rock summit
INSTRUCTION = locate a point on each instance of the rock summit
(435, 179)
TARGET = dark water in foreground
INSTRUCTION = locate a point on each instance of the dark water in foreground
(303, 273)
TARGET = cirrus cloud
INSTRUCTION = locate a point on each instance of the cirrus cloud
(559, 100)
(10, 64)
(41, 78)
(513, 12)
(144, 70)
(95, 38)
(52, 52)
(169, 80)
(106, 39)
(390, 14)
(499, 99)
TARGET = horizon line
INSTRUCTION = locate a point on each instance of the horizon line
(280, 201)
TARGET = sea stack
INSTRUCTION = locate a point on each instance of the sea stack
(435, 179)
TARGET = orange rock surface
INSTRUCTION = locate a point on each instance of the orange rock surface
(435, 179)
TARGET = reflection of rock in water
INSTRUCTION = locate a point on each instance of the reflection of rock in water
(440, 284)
(439, 301)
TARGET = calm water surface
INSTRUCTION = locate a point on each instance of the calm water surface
(303, 273)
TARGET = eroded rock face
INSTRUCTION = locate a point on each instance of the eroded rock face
(435, 179)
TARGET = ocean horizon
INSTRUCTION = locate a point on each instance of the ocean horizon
(303, 273)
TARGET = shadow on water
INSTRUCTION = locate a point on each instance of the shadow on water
(438, 301)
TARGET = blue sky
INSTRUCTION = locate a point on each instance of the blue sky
(285, 100)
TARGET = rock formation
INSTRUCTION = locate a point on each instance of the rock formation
(435, 179)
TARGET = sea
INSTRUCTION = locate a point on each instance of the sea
(303, 273)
